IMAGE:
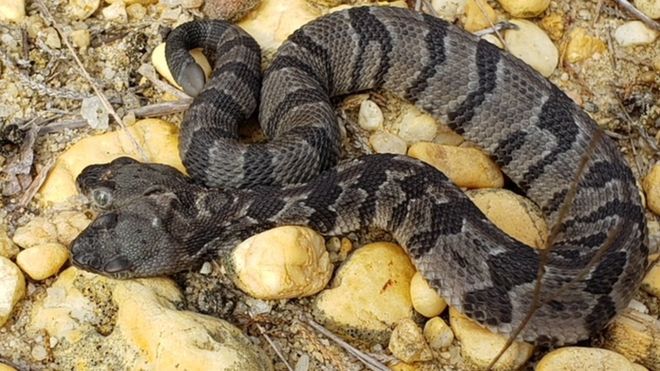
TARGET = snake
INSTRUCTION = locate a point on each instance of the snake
(154, 220)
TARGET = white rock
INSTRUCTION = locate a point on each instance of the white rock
(531, 44)
(408, 344)
(524, 8)
(649, 7)
(384, 142)
(449, 10)
(115, 12)
(284, 262)
(416, 126)
(52, 38)
(36, 232)
(82, 9)
(437, 333)
(12, 10)
(80, 38)
(94, 112)
(43, 261)
(7, 247)
(582, 358)
(12, 288)
(425, 300)
(370, 116)
(634, 33)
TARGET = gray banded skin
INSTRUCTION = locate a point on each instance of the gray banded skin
(160, 222)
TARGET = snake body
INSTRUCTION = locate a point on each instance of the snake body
(161, 222)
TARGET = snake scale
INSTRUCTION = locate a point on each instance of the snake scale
(159, 221)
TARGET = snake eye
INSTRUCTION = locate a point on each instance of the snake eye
(102, 197)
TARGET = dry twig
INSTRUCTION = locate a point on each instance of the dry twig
(274, 346)
(638, 14)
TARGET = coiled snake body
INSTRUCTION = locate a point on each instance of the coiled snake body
(162, 222)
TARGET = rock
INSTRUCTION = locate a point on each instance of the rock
(83, 9)
(4, 367)
(493, 39)
(7, 247)
(80, 38)
(636, 336)
(651, 282)
(158, 139)
(136, 11)
(515, 215)
(370, 293)
(533, 46)
(649, 7)
(370, 116)
(69, 224)
(480, 346)
(115, 12)
(466, 167)
(95, 113)
(52, 38)
(437, 333)
(229, 10)
(408, 344)
(447, 136)
(415, 125)
(37, 232)
(281, 263)
(42, 261)
(384, 142)
(273, 21)
(102, 321)
(478, 15)
(449, 10)
(425, 300)
(12, 11)
(581, 46)
(12, 288)
(582, 358)
(160, 64)
(524, 8)
(131, 2)
(634, 33)
(553, 24)
(651, 186)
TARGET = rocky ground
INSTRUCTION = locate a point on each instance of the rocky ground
(53, 123)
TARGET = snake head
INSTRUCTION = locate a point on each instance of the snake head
(143, 238)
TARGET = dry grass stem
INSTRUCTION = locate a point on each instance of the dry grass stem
(274, 346)
(638, 14)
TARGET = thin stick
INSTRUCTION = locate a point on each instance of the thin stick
(97, 91)
(492, 25)
(160, 109)
(32, 189)
(369, 362)
(638, 14)
(274, 346)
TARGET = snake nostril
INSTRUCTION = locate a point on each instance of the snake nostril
(88, 260)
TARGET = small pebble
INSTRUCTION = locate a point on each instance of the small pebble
(582, 358)
(136, 11)
(115, 12)
(370, 116)
(635, 335)
(407, 342)
(524, 8)
(466, 167)
(384, 142)
(52, 38)
(12, 288)
(475, 19)
(281, 263)
(416, 126)
(651, 186)
(4, 367)
(634, 33)
(93, 110)
(553, 24)
(493, 39)
(425, 300)
(43, 261)
(229, 10)
(83, 9)
(206, 268)
(302, 364)
(582, 46)
(533, 46)
(447, 136)
(39, 352)
(69, 224)
(7, 247)
(449, 10)
(37, 232)
(12, 11)
(649, 7)
(80, 38)
(437, 333)
(651, 282)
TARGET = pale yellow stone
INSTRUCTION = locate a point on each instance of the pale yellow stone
(69, 224)
(131, 2)
(43, 261)
(634, 33)
(651, 186)
(478, 15)
(52, 38)
(407, 342)
(553, 24)
(531, 44)
(12, 11)
(581, 45)
(649, 7)
(80, 38)
(7, 247)
(136, 11)
(651, 282)
(493, 39)
(4, 367)
(449, 10)
(385, 142)
(437, 333)
(425, 300)
(12, 288)
(524, 8)
(158, 139)
(281, 263)
(415, 125)
(370, 292)
(480, 346)
(513, 214)
(37, 232)
(447, 136)
(636, 336)
(582, 358)
(115, 12)
(466, 167)
(135, 324)
(83, 9)
(160, 64)
(370, 116)
(272, 21)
